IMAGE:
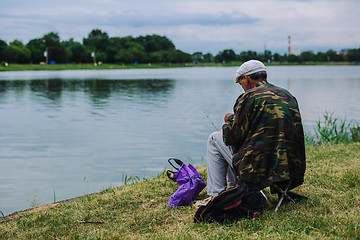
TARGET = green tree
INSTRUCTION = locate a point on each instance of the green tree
(111, 52)
(353, 55)
(203, 58)
(246, 56)
(178, 56)
(228, 55)
(208, 58)
(155, 57)
(3, 47)
(154, 43)
(98, 41)
(321, 57)
(133, 52)
(331, 55)
(101, 56)
(307, 56)
(137, 51)
(198, 57)
(16, 52)
(37, 48)
(55, 49)
(292, 58)
(276, 57)
(17, 43)
(267, 56)
(77, 52)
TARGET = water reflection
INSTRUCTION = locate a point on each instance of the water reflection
(57, 131)
(98, 90)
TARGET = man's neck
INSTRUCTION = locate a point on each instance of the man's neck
(260, 83)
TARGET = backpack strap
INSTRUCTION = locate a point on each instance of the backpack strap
(170, 175)
(177, 161)
(172, 162)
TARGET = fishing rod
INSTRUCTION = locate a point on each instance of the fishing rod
(210, 120)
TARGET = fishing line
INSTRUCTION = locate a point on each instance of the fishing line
(210, 120)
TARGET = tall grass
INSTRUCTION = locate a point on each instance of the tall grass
(133, 178)
(36, 200)
(333, 130)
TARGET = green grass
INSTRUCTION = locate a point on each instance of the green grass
(139, 210)
(37, 67)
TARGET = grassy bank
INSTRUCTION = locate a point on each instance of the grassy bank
(139, 210)
(37, 67)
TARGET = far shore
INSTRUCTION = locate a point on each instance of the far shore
(88, 66)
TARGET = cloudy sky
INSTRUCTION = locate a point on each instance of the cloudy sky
(192, 25)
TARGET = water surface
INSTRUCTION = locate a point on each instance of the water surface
(79, 131)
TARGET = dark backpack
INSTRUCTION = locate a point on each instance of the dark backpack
(232, 204)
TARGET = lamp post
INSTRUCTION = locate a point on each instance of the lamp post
(93, 56)
(46, 55)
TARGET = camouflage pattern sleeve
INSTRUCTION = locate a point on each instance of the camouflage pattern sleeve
(235, 130)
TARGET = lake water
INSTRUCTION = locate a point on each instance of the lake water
(68, 133)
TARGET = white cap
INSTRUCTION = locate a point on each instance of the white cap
(250, 67)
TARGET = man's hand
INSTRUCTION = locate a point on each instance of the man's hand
(227, 116)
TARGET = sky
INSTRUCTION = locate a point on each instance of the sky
(206, 26)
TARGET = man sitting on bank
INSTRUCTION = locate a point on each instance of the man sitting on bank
(262, 142)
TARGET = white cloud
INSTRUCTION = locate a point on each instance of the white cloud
(203, 25)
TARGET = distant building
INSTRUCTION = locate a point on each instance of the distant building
(296, 52)
(343, 52)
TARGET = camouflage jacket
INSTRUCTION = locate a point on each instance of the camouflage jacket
(267, 137)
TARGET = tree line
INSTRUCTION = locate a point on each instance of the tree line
(96, 47)
(99, 47)
(349, 55)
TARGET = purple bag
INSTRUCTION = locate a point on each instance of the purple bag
(190, 181)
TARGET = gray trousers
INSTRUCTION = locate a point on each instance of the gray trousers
(220, 174)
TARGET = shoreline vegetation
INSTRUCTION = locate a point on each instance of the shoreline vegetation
(88, 66)
(139, 210)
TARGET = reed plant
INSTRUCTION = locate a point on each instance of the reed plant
(355, 132)
(333, 130)
(35, 200)
(125, 179)
(138, 210)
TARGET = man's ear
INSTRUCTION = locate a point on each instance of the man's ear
(247, 80)
(250, 83)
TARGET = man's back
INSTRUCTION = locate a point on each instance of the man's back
(267, 137)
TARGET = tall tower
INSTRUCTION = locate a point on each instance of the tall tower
(289, 39)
